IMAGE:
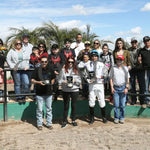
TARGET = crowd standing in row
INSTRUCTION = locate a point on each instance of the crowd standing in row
(79, 64)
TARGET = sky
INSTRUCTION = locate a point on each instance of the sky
(109, 19)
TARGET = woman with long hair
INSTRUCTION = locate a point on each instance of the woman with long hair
(120, 49)
(70, 81)
(42, 50)
(97, 46)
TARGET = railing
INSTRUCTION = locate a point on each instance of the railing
(29, 94)
(10, 95)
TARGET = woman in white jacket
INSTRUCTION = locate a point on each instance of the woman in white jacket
(18, 60)
(70, 81)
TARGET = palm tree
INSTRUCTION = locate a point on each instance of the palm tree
(18, 33)
(87, 36)
(53, 34)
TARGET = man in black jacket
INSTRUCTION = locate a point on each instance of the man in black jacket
(136, 72)
(44, 78)
(144, 59)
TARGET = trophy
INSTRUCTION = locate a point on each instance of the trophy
(70, 81)
(47, 82)
(91, 77)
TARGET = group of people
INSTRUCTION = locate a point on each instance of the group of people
(79, 66)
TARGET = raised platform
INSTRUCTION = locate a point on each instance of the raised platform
(27, 111)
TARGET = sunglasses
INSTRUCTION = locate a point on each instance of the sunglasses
(1, 43)
(70, 62)
(87, 44)
(18, 43)
(96, 43)
(119, 59)
(41, 46)
(44, 62)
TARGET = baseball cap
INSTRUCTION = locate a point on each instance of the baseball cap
(94, 52)
(120, 57)
(25, 35)
(87, 42)
(133, 39)
(146, 38)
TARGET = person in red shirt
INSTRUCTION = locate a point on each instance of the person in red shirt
(34, 58)
(42, 50)
(67, 51)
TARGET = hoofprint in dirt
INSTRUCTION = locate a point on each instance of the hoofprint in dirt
(133, 135)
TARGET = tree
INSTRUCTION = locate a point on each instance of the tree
(18, 33)
(53, 34)
(87, 36)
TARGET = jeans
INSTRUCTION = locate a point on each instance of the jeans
(66, 97)
(21, 82)
(39, 110)
(119, 102)
(147, 82)
(140, 77)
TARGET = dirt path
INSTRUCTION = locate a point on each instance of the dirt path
(133, 135)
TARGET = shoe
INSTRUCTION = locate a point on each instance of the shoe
(121, 121)
(143, 106)
(116, 121)
(91, 121)
(39, 127)
(74, 123)
(50, 127)
(104, 120)
(64, 124)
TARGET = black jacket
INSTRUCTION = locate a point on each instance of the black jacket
(56, 61)
(145, 54)
(41, 74)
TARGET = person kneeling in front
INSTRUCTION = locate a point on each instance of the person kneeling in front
(96, 86)
(44, 78)
(119, 82)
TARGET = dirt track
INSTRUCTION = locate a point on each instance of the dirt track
(133, 135)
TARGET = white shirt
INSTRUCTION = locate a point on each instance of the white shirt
(118, 75)
(79, 48)
(27, 49)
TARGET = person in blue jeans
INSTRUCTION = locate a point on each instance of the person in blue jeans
(18, 61)
(119, 82)
(44, 78)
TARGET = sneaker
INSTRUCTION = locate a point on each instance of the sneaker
(50, 127)
(121, 121)
(143, 106)
(116, 121)
(64, 124)
(74, 123)
(105, 120)
(39, 127)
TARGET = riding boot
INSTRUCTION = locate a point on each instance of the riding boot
(91, 115)
(103, 115)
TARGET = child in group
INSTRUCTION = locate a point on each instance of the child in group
(67, 51)
(34, 58)
(107, 58)
(57, 61)
(119, 82)
(83, 71)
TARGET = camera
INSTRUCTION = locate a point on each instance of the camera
(47, 82)
(70, 81)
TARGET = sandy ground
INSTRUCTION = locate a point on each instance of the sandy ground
(133, 135)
